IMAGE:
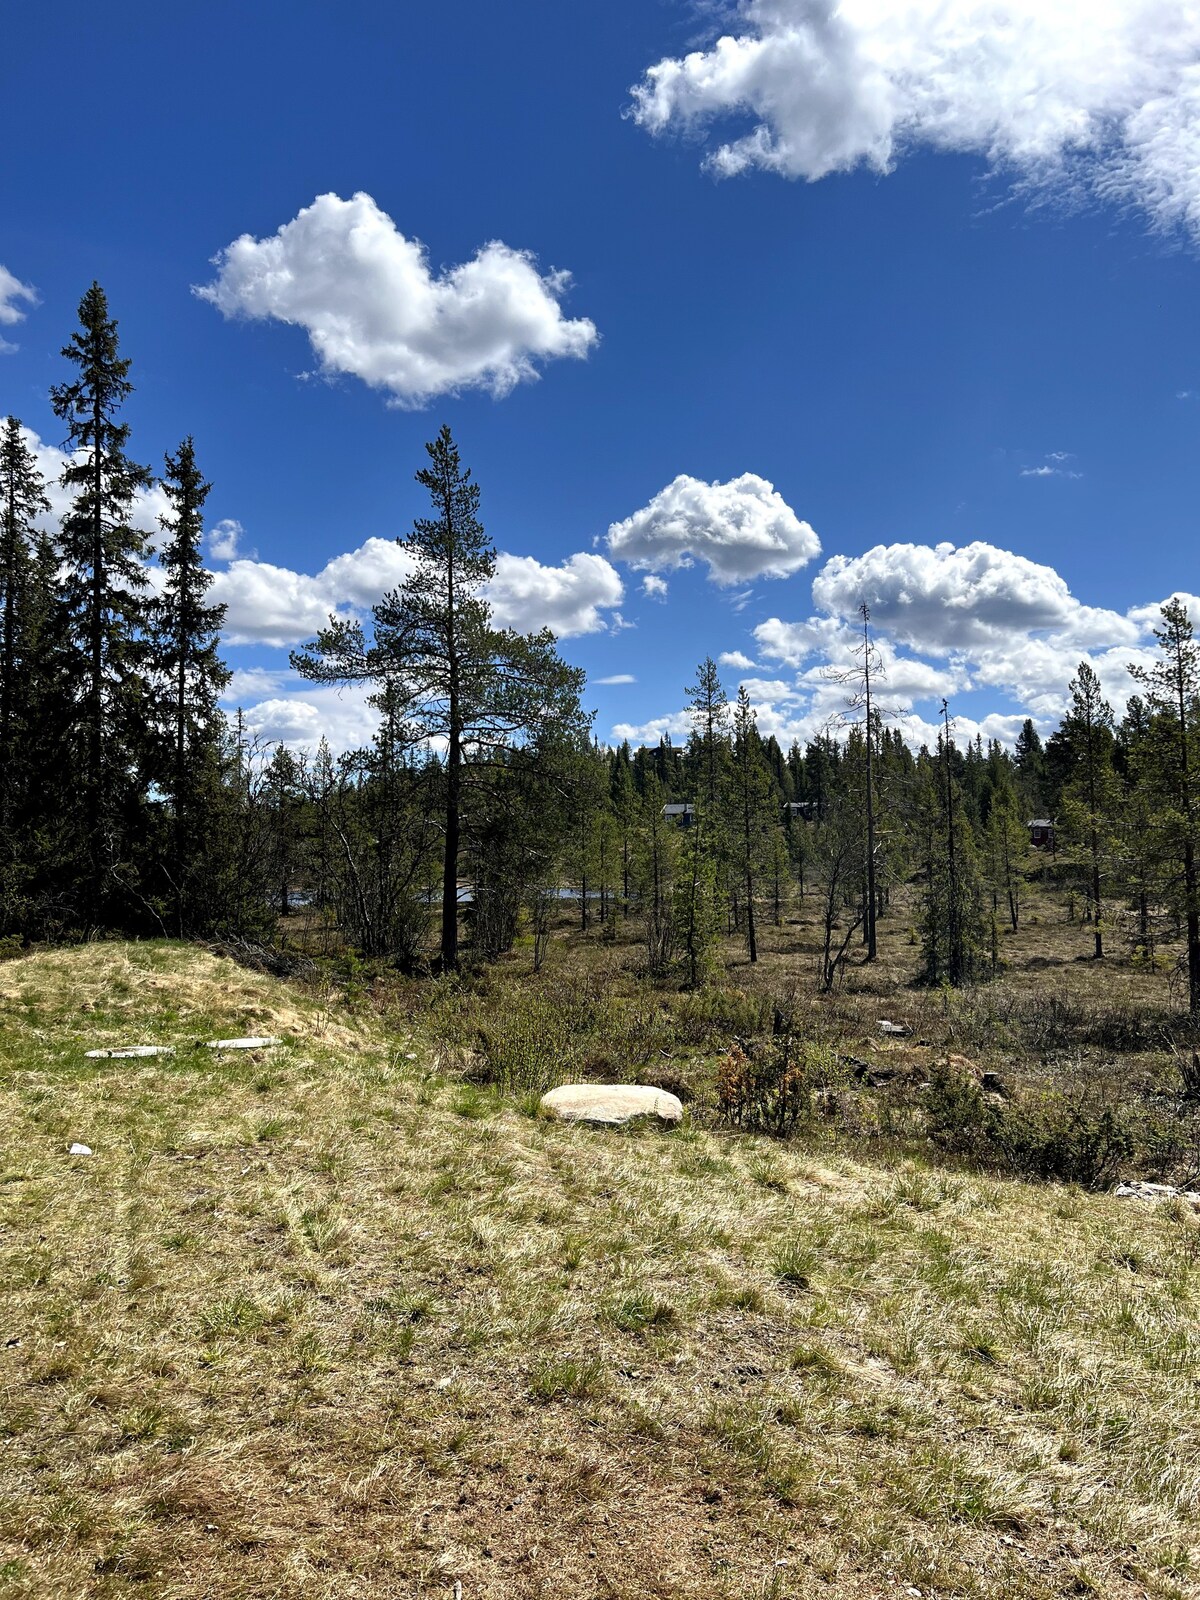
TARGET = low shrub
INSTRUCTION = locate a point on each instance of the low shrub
(714, 1015)
(769, 1089)
(1050, 1135)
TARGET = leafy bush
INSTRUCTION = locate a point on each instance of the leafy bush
(958, 1118)
(770, 1089)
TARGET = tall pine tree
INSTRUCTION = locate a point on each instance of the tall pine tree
(451, 675)
(1172, 688)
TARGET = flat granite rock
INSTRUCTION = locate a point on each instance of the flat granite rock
(1138, 1189)
(611, 1105)
(242, 1044)
(129, 1052)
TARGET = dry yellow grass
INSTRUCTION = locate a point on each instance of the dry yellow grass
(318, 1323)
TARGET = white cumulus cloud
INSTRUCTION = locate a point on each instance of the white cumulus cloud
(224, 539)
(941, 598)
(274, 605)
(373, 306)
(570, 598)
(302, 714)
(995, 620)
(1097, 95)
(741, 529)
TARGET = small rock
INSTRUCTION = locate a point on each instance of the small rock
(242, 1044)
(80, 1150)
(1137, 1189)
(899, 1030)
(612, 1105)
(127, 1052)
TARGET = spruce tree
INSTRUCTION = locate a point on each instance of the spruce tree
(1172, 688)
(861, 683)
(190, 674)
(751, 804)
(104, 593)
(698, 888)
(22, 501)
(26, 598)
(1089, 796)
(708, 707)
(955, 928)
(1030, 759)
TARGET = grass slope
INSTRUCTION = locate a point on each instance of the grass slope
(318, 1323)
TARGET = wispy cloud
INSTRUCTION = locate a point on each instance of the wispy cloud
(1101, 100)
(13, 290)
(1053, 465)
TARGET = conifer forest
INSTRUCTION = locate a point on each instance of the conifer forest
(483, 806)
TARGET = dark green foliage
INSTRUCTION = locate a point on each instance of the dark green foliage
(26, 599)
(104, 602)
(1170, 766)
(955, 926)
(752, 810)
(189, 676)
(442, 669)
(1049, 1135)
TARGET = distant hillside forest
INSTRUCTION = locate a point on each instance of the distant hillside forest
(128, 803)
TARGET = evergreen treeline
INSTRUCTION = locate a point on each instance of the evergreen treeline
(129, 803)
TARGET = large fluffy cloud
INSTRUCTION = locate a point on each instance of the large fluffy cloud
(942, 598)
(1097, 93)
(993, 620)
(12, 292)
(741, 529)
(273, 605)
(373, 306)
(569, 598)
(301, 714)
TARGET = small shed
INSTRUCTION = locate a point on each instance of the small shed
(1041, 833)
(682, 815)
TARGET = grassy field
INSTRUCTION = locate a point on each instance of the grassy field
(329, 1321)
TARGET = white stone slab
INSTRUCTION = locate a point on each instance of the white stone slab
(80, 1150)
(1137, 1189)
(127, 1052)
(611, 1105)
(243, 1044)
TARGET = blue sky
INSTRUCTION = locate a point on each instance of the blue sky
(914, 286)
